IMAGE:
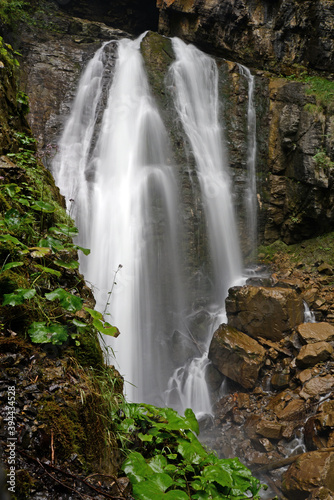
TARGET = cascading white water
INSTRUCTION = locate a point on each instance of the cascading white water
(194, 79)
(309, 316)
(113, 164)
(132, 216)
(251, 200)
(71, 163)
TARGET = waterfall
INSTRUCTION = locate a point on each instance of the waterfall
(128, 198)
(194, 79)
(114, 167)
(309, 316)
(250, 199)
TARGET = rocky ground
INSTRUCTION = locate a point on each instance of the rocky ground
(277, 413)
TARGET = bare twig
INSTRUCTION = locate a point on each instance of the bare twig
(76, 478)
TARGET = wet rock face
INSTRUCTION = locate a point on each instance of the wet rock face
(51, 67)
(264, 312)
(268, 33)
(298, 194)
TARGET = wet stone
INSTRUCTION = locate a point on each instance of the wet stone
(311, 354)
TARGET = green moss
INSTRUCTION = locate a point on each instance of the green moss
(309, 252)
(266, 253)
(89, 353)
(63, 422)
(24, 484)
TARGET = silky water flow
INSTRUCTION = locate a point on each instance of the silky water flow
(114, 168)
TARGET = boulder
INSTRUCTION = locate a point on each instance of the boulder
(311, 471)
(236, 355)
(311, 333)
(311, 354)
(317, 386)
(266, 312)
(269, 429)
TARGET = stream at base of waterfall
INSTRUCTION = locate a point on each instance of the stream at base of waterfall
(115, 168)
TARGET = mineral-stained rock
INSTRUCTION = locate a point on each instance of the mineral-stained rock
(311, 471)
(317, 386)
(315, 332)
(236, 355)
(264, 312)
(311, 354)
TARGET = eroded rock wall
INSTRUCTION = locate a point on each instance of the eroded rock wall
(267, 33)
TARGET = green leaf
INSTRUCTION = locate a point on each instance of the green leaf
(10, 265)
(68, 301)
(127, 425)
(145, 437)
(18, 296)
(48, 270)
(136, 468)
(176, 495)
(106, 328)
(72, 264)
(12, 218)
(40, 333)
(79, 324)
(192, 452)
(146, 490)
(5, 238)
(12, 189)
(158, 463)
(101, 325)
(24, 201)
(85, 251)
(53, 243)
(161, 480)
(43, 206)
(191, 420)
(64, 229)
(94, 314)
(39, 252)
(218, 474)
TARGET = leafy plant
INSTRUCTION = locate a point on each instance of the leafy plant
(11, 11)
(322, 160)
(101, 325)
(173, 464)
(41, 333)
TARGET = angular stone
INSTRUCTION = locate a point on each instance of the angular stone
(311, 354)
(236, 355)
(311, 471)
(293, 410)
(305, 375)
(315, 332)
(325, 415)
(264, 312)
(269, 429)
(317, 386)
